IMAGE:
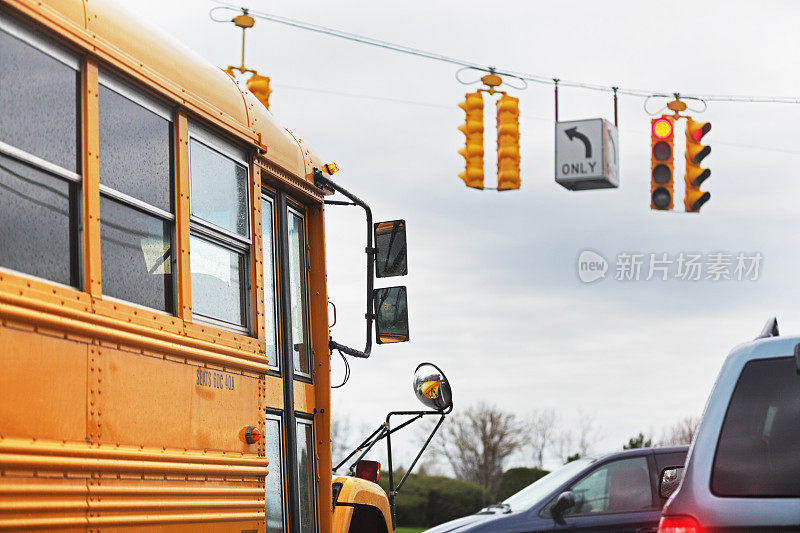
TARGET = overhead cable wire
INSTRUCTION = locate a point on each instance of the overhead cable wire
(523, 115)
(535, 78)
(352, 37)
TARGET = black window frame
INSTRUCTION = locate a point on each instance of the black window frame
(74, 179)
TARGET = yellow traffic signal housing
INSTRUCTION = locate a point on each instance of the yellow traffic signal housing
(508, 177)
(662, 142)
(695, 175)
(473, 149)
(259, 86)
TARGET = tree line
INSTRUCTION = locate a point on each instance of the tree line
(478, 443)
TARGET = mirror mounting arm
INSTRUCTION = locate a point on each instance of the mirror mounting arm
(393, 490)
(322, 182)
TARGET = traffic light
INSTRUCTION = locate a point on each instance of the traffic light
(259, 86)
(695, 176)
(508, 143)
(661, 162)
(473, 149)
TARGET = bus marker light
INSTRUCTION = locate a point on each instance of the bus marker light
(369, 470)
(252, 435)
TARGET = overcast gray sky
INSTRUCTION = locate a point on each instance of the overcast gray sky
(494, 297)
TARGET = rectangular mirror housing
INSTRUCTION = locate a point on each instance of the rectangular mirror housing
(391, 315)
(390, 244)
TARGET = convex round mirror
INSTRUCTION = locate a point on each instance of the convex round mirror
(432, 388)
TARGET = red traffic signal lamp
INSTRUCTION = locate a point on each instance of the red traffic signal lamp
(695, 175)
(662, 141)
(508, 143)
(473, 149)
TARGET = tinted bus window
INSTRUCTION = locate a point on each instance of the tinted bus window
(35, 229)
(39, 146)
(136, 219)
(39, 102)
(757, 451)
(137, 256)
(135, 150)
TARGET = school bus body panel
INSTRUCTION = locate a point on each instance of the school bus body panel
(115, 417)
(356, 493)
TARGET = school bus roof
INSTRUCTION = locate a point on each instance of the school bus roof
(172, 69)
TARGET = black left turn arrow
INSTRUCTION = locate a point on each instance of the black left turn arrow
(573, 132)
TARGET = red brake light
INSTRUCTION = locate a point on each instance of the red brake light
(369, 470)
(678, 524)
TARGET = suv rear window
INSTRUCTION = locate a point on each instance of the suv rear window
(758, 454)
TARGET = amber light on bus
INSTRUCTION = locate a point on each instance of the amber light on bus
(252, 435)
(369, 470)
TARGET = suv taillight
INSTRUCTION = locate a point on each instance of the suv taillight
(678, 524)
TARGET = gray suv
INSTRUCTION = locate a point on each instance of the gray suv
(743, 469)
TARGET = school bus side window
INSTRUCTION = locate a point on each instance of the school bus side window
(268, 263)
(306, 477)
(220, 231)
(273, 484)
(39, 156)
(297, 291)
(136, 215)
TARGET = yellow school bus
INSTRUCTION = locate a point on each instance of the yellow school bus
(164, 340)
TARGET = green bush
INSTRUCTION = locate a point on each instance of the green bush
(516, 479)
(426, 501)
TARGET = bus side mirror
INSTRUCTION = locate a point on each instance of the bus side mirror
(432, 388)
(391, 315)
(390, 242)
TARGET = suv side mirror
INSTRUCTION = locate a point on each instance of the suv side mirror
(390, 242)
(565, 500)
(670, 481)
(391, 315)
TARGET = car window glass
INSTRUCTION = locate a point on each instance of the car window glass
(542, 488)
(757, 451)
(618, 486)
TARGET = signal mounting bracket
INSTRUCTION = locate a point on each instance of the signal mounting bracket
(677, 106)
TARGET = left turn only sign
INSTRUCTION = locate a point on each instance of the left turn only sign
(587, 154)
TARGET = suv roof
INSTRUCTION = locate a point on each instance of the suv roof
(639, 451)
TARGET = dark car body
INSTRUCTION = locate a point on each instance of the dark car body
(615, 492)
